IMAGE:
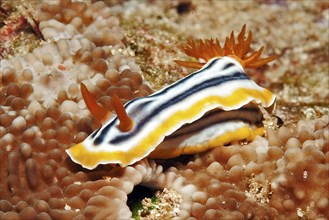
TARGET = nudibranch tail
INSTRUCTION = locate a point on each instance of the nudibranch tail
(126, 123)
(210, 48)
(100, 113)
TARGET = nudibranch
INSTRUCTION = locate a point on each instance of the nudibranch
(211, 107)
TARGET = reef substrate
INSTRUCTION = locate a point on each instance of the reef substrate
(282, 175)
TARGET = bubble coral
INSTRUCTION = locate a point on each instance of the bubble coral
(42, 113)
(283, 175)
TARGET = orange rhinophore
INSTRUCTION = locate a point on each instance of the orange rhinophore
(100, 113)
(126, 123)
(240, 50)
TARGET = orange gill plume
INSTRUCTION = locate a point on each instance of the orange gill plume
(210, 48)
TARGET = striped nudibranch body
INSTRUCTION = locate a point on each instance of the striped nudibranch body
(215, 128)
(210, 107)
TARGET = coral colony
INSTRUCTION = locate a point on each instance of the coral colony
(81, 87)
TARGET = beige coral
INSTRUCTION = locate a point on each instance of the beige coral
(42, 114)
(283, 175)
(274, 177)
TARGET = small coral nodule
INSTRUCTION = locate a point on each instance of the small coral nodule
(240, 50)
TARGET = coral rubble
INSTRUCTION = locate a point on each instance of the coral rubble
(282, 175)
(19, 32)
